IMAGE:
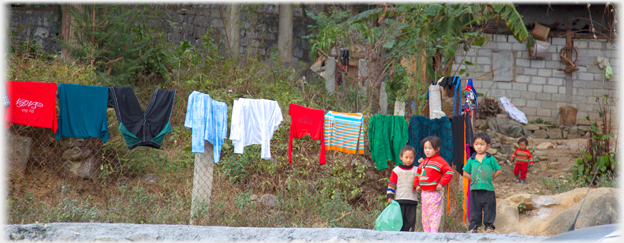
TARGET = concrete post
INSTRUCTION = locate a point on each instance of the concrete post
(399, 108)
(383, 99)
(202, 186)
(233, 29)
(330, 76)
(285, 35)
(362, 74)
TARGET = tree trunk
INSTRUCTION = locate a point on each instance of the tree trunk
(68, 32)
(354, 9)
(285, 37)
(233, 29)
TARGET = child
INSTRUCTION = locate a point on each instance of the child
(482, 169)
(434, 174)
(400, 188)
(523, 160)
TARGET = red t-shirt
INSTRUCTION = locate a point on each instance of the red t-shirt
(304, 120)
(32, 103)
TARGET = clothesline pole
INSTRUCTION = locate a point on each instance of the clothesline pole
(202, 186)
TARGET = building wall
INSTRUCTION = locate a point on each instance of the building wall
(536, 87)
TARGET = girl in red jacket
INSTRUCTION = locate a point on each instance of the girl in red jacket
(434, 174)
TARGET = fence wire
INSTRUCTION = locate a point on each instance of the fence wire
(78, 180)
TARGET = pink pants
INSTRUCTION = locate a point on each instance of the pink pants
(431, 210)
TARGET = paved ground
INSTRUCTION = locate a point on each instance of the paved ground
(144, 232)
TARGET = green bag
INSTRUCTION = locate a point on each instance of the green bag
(608, 71)
(390, 218)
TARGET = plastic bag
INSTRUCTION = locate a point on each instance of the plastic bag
(390, 218)
(513, 112)
(608, 71)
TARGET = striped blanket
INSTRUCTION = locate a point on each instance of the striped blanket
(343, 131)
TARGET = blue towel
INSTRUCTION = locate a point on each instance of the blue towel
(208, 120)
(82, 111)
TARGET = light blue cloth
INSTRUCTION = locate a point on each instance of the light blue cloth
(208, 120)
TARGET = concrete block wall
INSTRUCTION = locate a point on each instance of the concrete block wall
(538, 88)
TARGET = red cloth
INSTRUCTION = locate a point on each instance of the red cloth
(32, 103)
(433, 171)
(304, 120)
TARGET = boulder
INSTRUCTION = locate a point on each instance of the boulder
(492, 134)
(496, 145)
(554, 165)
(583, 129)
(587, 135)
(551, 215)
(540, 134)
(573, 130)
(564, 134)
(540, 153)
(86, 169)
(573, 136)
(601, 207)
(268, 200)
(555, 133)
(545, 145)
(542, 126)
(491, 151)
(542, 158)
(507, 217)
(76, 154)
(507, 149)
(19, 152)
(521, 199)
(506, 140)
(480, 124)
(543, 166)
(532, 127)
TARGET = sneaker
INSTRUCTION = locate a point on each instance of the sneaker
(522, 181)
(473, 230)
(489, 230)
(517, 180)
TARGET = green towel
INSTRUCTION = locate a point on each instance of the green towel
(387, 134)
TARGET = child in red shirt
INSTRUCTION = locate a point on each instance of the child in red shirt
(523, 159)
(434, 174)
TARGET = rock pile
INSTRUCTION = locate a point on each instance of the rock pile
(544, 131)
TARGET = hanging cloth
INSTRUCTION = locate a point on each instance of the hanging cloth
(421, 127)
(32, 103)
(208, 120)
(82, 111)
(304, 120)
(387, 134)
(140, 128)
(344, 132)
(253, 122)
(5, 97)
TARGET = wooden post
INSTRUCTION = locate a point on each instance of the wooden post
(569, 43)
(202, 186)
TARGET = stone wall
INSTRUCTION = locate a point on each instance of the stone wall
(259, 26)
(535, 86)
(40, 24)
